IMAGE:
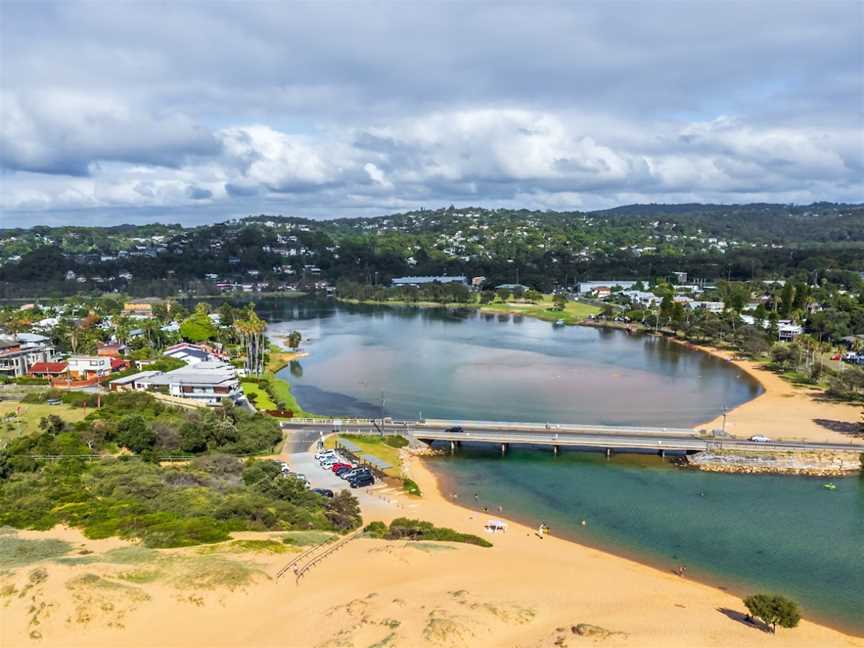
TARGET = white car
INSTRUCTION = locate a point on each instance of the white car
(760, 439)
(324, 453)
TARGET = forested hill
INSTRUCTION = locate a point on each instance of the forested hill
(543, 248)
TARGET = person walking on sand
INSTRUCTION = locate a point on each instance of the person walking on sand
(540, 530)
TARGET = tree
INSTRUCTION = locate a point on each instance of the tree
(134, 433)
(343, 511)
(559, 301)
(198, 327)
(294, 340)
(192, 438)
(773, 609)
(251, 331)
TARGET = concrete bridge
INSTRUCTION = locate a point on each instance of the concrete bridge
(607, 438)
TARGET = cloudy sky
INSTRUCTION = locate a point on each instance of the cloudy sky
(200, 111)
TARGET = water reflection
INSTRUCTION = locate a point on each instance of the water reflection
(458, 363)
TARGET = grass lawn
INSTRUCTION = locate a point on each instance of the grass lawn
(262, 399)
(376, 447)
(573, 312)
(31, 414)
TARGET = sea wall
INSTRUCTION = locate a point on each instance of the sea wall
(816, 464)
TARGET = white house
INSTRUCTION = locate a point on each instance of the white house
(20, 352)
(206, 382)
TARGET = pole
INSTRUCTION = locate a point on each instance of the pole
(724, 419)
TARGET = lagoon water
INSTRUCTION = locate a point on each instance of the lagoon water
(435, 363)
(748, 533)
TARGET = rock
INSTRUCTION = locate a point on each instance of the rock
(588, 630)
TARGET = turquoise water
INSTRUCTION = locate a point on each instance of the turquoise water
(746, 533)
(750, 533)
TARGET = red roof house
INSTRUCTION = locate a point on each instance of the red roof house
(47, 369)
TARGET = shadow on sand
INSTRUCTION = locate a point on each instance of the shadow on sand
(746, 619)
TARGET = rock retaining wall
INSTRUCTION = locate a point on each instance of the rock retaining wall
(816, 464)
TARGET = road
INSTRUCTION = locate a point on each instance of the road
(598, 436)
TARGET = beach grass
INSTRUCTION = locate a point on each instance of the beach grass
(17, 552)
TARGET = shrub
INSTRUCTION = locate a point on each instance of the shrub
(396, 441)
(773, 609)
(376, 530)
(408, 529)
(410, 487)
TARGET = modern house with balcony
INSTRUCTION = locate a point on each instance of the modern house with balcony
(207, 382)
(20, 352)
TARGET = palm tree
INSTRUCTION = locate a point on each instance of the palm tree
(251, 330)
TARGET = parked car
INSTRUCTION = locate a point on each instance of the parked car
(356, 472)
(320, 456)
(336, 466)
(758, 438)
(324, 492)
(456, 429)
(343, 470)
(362, 480)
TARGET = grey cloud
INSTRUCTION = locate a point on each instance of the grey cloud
(342, 108)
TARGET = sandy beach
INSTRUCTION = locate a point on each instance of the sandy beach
(524, 591)
(787, 411)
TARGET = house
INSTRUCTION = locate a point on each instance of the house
(206, 382)
(144, 307)
(786, 330)
(710, 306)
(642, 297)
(111, 350)
(135, 382)
(587, 287)
(602, 292)
(194, 353)
(88, 367)
(47, 369)
(419, 281)
(20, 352)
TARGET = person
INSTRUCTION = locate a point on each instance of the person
(540, 530)
(500, 509)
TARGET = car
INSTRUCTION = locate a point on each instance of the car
(362, 480)
(336, 466)
(456, 429)
(324, 492)
(323, 454)
(758, 438)
(342, 470)
(357, 472)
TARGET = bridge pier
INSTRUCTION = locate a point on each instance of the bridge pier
(662, 453)
(556, 450)
(609, 452)
(504, 447)
(452, 447)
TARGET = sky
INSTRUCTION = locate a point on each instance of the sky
(195, 112)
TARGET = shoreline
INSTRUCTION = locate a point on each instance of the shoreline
(441, 509)
(782, 406)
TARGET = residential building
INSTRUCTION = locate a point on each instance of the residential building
(48, 369)
(143, 307)
(88, 367)
(587, 287)
(194, 353)
(417, 281)
(111, 350)
(206, 382)
(20, 352)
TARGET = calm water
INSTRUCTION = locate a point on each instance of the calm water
(462, 365)
(748, 533)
